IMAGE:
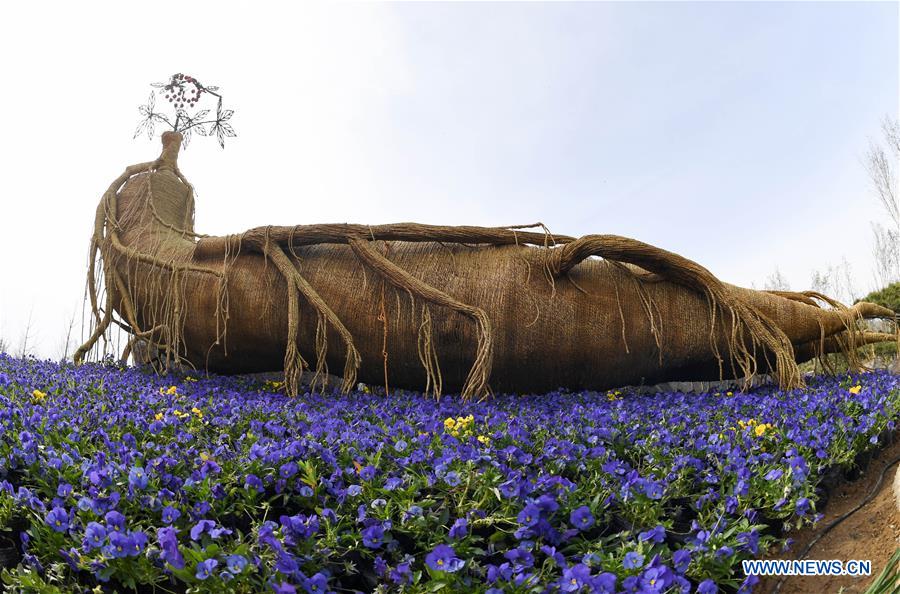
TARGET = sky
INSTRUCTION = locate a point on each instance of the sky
(731, 133)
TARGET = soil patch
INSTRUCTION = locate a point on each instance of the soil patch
(873, 532)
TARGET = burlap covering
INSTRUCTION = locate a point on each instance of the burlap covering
(439, 308)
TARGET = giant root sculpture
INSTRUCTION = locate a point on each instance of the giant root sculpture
(435, 308)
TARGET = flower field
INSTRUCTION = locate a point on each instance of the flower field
(115, 479)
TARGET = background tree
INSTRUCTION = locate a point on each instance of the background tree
(836, 281)
(776, 282)
(25, 345)
(66, 345)
(881, 163)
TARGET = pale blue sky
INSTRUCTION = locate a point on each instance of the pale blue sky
(706, 128)
(732, 133)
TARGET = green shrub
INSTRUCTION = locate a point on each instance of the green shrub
(888, 297)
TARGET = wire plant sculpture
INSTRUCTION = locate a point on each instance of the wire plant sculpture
(184, 93)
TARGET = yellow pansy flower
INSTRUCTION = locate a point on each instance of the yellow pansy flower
(761, 429)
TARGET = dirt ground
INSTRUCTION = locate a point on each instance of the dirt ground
(872, 533)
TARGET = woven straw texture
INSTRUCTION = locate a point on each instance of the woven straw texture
(443, 309)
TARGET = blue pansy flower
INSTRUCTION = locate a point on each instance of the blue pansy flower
(253, 482)
(170, 514)
(205, 568)
(115, 522)
(94, 536)
(288, 470)
(367, 473)
(373, 536)
(530, 515)
(168, 543)
(581, 518)
(137, 478)
(575, 578)
(681, 559)
(317, 584)
(656, 534)
(58, 519)
(443, 558)
(201, 528)
(633, 560)
(120, 545)
(236, 563)
(460, 529)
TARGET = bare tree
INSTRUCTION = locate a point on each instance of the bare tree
(64, 347)
(23, 350)
(887, 256)
(777, 282)
(882, 165)
(820, 282)
(3, 345)
(835, 281)
(845, 281)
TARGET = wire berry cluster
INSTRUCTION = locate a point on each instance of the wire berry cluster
(184, 92)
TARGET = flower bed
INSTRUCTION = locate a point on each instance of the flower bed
(120, 479)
